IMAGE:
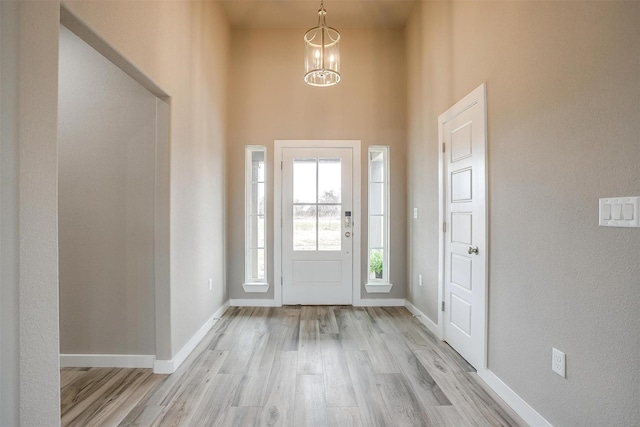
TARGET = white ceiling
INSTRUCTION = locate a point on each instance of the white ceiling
(303, 13)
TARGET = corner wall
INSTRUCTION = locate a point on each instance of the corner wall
(106, 205)
(562, 91)
(182, 47)
(30, 386)
(9, 287)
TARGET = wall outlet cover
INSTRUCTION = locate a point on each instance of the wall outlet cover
(558, 362)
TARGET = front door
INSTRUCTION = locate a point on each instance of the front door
(465, 250)
(317, 226)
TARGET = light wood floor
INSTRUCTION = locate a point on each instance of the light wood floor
(295, 366)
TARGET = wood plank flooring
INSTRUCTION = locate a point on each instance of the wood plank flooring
(295, 366)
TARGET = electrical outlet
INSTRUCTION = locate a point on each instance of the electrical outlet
(210, 283)
(415, 213)
(420, 279)
(558, 363)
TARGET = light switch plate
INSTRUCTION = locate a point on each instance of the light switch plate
(619, 212)
(415, 213)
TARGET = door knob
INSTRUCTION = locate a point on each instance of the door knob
(473, 250)
(347, 234)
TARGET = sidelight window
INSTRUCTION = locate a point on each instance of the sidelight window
(255, 214)
(378, 215)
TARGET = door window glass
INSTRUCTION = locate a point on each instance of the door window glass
(317, 207)
(304, 180)
(304, 227)
(329, 180)
(329, 229)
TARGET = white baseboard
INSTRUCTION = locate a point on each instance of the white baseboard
(107, 360)
(522, 408)
(253, 303)
(170, 366)
(379, 302)
(430, 324)
(370, 302)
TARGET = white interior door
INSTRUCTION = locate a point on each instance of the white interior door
(316, 226)
(463, 128)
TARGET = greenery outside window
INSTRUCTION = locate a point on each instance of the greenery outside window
(255, 219)
(378, 254)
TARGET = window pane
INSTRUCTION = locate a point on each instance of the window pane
(376, 165)
(376, 267)
(376, 231)
(329, 180)
(257, 166)
(261, 231)
(253, 231)
(257, 199)
(256, 230)
(376, 199)
(304, 180)
(257, 263)
(329, 229)
(304, 227)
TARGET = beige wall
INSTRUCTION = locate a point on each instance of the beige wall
(9, 332)
(182, 47)
(106, 186)
(562, 93)
(269, 100)
(29, 368)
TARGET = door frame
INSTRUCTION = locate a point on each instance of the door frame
(279, 145)
(477, 96)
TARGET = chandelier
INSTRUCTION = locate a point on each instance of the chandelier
(322, 55)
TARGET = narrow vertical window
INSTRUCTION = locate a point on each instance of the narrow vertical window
(378, 219)
(255, 219)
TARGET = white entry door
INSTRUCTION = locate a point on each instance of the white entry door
(316, 226)
(463, 132)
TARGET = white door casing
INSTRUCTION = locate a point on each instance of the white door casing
(463, 210)
(316, 252)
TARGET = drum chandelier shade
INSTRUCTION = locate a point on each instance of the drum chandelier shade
(322, 53)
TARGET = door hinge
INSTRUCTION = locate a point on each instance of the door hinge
(281, 281)
(444, 227)
(444, 150)
(442, 305)
(280, 165)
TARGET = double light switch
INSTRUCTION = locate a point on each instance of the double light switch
(620, 212)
